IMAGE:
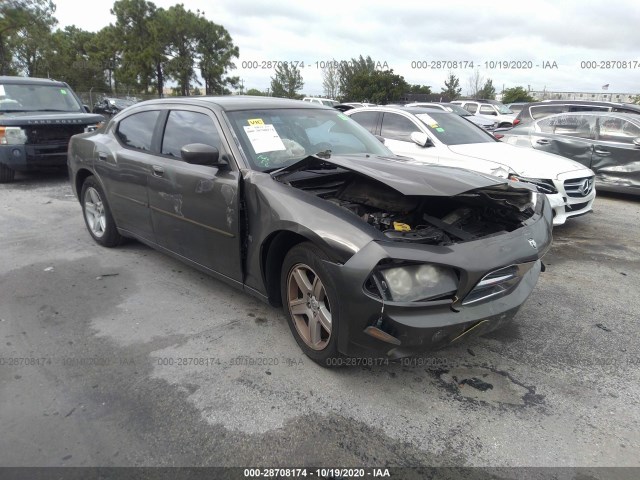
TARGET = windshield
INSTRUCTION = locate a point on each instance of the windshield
(329, 103)
(276, 138)
(503, 109)
(457, 109)
(450, 129)
(32, 98)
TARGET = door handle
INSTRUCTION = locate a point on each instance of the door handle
(542, 141)
(157, 171)
(602, 152)
(102, 156)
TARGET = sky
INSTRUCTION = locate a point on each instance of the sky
(509, 42)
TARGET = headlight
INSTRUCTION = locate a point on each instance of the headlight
(543, 185)
(418, 282)
(93, 128)
(12, 136)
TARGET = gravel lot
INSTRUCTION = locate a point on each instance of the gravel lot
(132, 358)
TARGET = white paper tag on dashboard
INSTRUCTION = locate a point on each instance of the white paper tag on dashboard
(264, 138)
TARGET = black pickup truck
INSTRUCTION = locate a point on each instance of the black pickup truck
(37, 118)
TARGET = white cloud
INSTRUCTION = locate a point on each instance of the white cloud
(566, 32)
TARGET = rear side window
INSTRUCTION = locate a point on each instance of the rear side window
(587, 108)
(397, 127)
(546, 110)
(368, 120)
(136, 131)
(184, 127)
(580, 126)
(471, 107)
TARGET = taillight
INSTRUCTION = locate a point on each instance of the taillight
(516, 122)
(498, 135)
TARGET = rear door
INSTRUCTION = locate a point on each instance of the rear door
(567, 135)
(124, 163)
(616, 159)
(195, 208)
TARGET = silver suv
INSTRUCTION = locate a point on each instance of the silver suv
(493, 108)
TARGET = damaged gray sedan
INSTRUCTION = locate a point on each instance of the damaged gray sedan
(300, 206)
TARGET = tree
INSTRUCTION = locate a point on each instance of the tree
(140, 30)
(216, 52)
(452, 87)
(636, 100)
(378, 86)
(487, 91)
(16, 15)
(475, 84)
(255, 92)
(424, 89)
(287, 81)
(516, 94)
(331, 79)
(349, 70)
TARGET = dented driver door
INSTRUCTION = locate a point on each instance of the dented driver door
(194, 208)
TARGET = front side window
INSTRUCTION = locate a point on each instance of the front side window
(136, 131)
(397, 127)
(184, 127)
(279, 137)
(487, 110)
(614, 129)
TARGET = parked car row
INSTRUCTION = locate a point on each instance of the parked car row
(438, 137)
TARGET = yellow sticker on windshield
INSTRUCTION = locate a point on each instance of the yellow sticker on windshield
(255, 121)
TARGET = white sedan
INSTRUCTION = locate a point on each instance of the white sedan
(435, 136)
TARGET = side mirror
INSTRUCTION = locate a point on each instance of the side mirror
(490, 113)
(202, 154)
(380, 138)
(421, 139)
(86, 108)
(636, 141)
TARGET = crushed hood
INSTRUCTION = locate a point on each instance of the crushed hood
(400, 173)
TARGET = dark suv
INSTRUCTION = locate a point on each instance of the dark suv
(537, 110)
(37, 118)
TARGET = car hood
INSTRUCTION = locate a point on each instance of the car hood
(524, 161)
(48, 118)
(401, 173)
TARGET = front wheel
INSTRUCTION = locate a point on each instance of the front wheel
(310, 302)
(97, 215)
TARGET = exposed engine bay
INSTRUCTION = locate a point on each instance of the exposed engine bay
(435, 220)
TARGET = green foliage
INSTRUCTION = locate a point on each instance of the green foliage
(287, 81)
(487, 91)
(348, 71)
(255, 92)
(636, 99)
(424, 89)
(380, 87)
(22, 23)
(516, 94)
(452, 88)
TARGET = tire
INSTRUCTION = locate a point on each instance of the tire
(97, 214)
(314, 317)
(6, 174)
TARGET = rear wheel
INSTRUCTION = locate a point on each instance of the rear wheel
(310, 302)
(6, 174)
(97, 215)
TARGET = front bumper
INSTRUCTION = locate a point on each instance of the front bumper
(567, 204)
(23, 158)
(425, 326)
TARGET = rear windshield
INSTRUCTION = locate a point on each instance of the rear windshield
(32, 98)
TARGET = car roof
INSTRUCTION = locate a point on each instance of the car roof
(31, 81)
(601, 103)
(235, 102)
(412, 110)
